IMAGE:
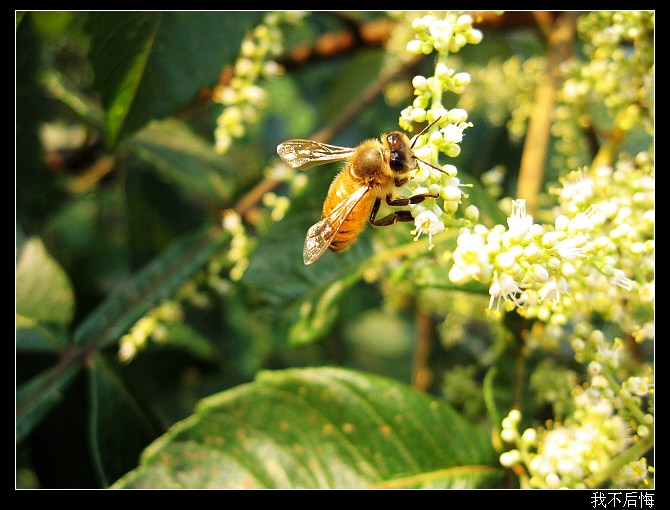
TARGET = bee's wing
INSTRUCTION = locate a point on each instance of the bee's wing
(322, 233)
(304, 154)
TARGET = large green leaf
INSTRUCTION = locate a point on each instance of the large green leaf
(319, 428)
(149, 64)
(119, 427)
(44, 299)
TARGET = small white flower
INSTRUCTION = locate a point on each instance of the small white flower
(539, 273)
(452, 133)
(619, 278)
(637, 386)
(553, 289)
(429, 223)
(585, 221)
(572, 247)
(504, 287)
(577, 187)
(519, 222)
(471, 259)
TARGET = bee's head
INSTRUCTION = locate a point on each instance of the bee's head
(401, 159)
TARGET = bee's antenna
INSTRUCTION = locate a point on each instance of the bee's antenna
(416, 137)
(431, 165)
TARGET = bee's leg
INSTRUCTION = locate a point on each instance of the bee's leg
(414, 199)
(396, 216)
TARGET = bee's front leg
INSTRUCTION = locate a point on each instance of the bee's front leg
(396, 216)
(414, 199)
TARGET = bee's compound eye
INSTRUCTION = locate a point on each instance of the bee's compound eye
(397, 164)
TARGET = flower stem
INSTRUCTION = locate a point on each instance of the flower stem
(635, 452)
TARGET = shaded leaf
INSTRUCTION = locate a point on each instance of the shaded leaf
(119, 427)
(35, 398)
(185, 159)
(319, 428)
(43, 292)
(149, 64)
(31, 336)
(158, 280)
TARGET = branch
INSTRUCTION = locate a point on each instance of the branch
(422, 376)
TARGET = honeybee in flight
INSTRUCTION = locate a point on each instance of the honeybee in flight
(371, 172)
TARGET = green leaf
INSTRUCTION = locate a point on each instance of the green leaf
(44, 298)
(119, 427)
(158, 280)
(184, 159)
(31, 336)
(121, 44)
(35, 398)
(149, 64)
(319, 428)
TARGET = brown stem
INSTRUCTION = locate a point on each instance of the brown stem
(534, 155)
(422, 376)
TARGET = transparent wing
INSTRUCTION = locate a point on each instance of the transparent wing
(321, 234)
(304, 154)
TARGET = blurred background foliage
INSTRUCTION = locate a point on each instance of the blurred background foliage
(119, 205)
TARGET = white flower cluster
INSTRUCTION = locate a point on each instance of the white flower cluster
(152, 326)
(566, 455)
(602, 236)
(447, 34)
(443, 33)
(617, 74)
(241, 244)
(242, 97)
(620, 51)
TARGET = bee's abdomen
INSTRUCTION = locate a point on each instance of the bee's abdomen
(354, 223)
(348, 232)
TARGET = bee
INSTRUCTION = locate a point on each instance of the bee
(371, 172)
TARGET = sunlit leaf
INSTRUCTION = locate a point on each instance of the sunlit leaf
(319, 428)
(44, 297)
